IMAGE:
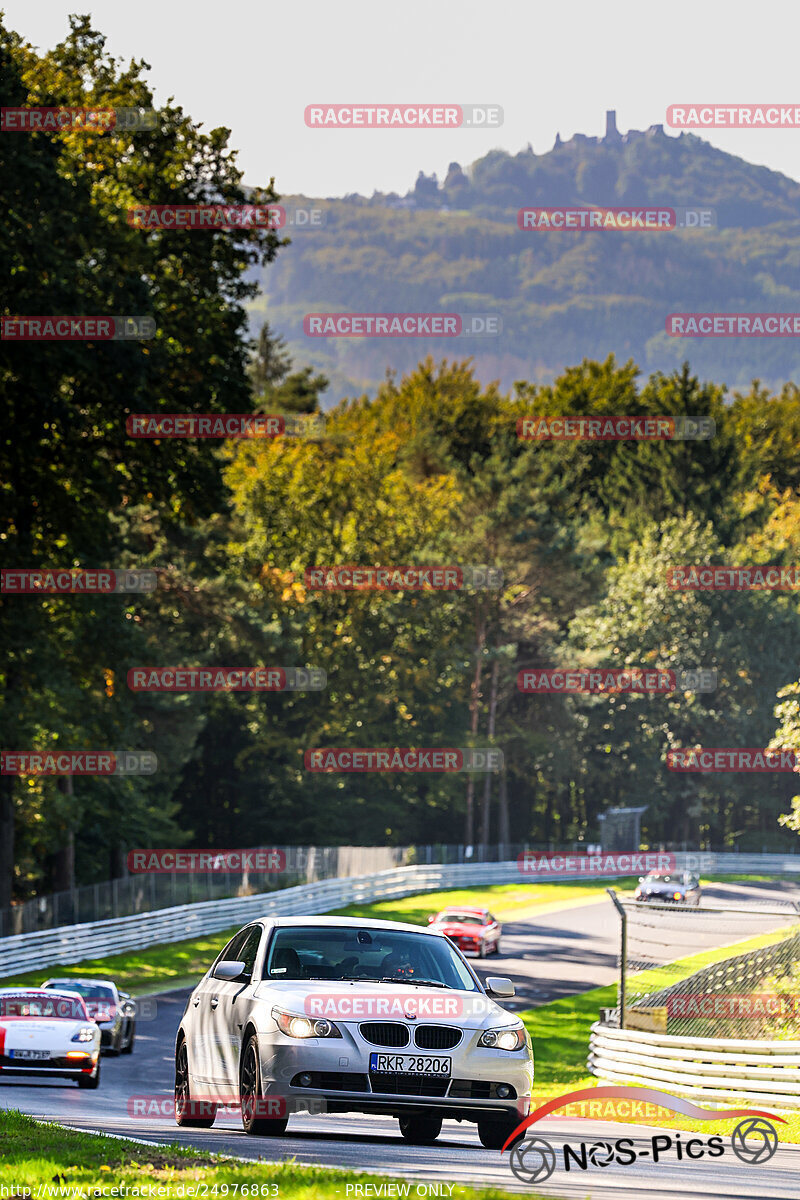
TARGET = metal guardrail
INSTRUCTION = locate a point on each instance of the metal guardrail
(146, 892)
(73, 943)
(717, 1070)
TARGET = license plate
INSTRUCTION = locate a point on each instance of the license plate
(29, 1054)
(410, 1064)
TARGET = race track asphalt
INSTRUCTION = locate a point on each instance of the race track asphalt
(549, 955)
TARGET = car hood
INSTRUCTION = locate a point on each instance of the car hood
(31, 1033)
(454, 928)
(366, 1001)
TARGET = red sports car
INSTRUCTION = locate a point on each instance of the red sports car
(474, 930)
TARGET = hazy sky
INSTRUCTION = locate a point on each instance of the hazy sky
(254, 65)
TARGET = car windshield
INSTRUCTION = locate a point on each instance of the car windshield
(42, 1005)
(451, 918)
(90, 991)
(320, 952)
(655, 878)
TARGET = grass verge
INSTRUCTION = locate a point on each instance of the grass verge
(180, 964)
(43, 1155)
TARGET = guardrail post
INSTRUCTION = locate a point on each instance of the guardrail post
(623, 955)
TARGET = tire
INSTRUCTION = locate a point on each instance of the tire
(183, 1095)
(421, 1131)
(493, 1134)
(91, 1081)
(128, 1047)
(250, 1090)
(497, 946)
(482, 950)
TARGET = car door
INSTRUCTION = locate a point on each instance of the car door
(202, 1006)
(229, 1004)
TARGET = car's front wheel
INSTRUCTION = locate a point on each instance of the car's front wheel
(494, 1133)
(93, 1080)
(421, 1131)
(251, 1095)
(187, 1110)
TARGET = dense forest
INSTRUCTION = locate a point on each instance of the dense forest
(429, 470)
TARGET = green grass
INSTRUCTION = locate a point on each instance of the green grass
(181, 964)
(507, 901)
(36, 1153)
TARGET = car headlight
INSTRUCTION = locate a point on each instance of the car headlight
(303, 1027)
(84, 1034)
(503, 1039)
(637, 893)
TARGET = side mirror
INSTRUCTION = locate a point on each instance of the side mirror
(502, 988)
(228, 970)
(431, 919)
(641, 879)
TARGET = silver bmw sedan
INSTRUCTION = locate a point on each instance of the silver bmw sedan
(338, 1014)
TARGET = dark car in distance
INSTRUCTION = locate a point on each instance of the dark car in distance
(669, 887)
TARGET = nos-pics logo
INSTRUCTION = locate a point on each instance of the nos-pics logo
(533, 1159)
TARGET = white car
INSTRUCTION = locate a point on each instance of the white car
(48, 1033)
(354, 1016)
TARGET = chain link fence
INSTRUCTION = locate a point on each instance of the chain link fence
(718, 970)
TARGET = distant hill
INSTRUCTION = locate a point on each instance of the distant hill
(563, 295)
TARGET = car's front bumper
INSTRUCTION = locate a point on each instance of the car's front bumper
(341, 1076)
(62, 1067)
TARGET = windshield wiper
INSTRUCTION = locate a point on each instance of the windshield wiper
(415, 982)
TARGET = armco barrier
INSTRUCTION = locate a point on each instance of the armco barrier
(718, 1070)
(72, 943)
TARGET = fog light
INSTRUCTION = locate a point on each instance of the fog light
(304, 1080)
(503, 1091)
